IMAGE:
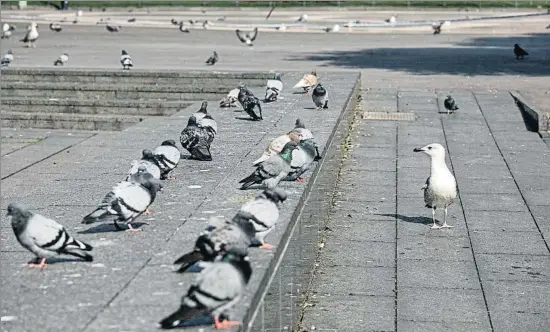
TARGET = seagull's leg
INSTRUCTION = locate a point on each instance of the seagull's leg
(434, 226)
(445, 225)
(132, 229)
(266, 245)
(225, 324)
(41, 265)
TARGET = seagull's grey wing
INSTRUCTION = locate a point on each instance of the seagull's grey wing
(238, 32)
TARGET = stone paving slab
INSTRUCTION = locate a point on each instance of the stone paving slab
(487, 273)
(146, 289)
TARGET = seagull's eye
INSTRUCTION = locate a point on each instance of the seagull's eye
(429, 147)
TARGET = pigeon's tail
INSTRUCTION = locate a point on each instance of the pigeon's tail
(326, 104)
(184, 317)
(76, 244)
(270, 95)
(58, 62)
(301, 84)
(202, 154)
(83, 255)
(250, 180)
(188, 259)
(98, 215)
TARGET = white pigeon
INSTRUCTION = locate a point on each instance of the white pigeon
(148, 161)
(62, 59)
(334, 28)
(168, 157)
(126, 60)
(277, 145)
(7, 58)
(32, 35)
(391, 20)
(44, 237)
(440, 189)
(302, 18)
(248, 37)
(79, 13)
(6, 30)
(231, 99)
(274, 88)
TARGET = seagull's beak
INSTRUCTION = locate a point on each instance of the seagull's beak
(418, 150)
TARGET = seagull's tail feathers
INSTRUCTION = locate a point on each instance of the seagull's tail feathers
(188, 259)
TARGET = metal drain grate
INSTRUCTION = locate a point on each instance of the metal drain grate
(389, 116)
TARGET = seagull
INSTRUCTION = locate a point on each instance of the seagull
(440, 189)
(61, 59)
(126, 60)
(302, 18)
(212, 59)
(437, 27)
(112, 28)
(334, 28)
(519, 52)
(7, 58)
(32, 35)
(56, 27)
(391, 20)
(183, 29)
(6, 30)
(248, 37)
(450, 104)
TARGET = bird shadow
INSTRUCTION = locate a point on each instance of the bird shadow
(310, 108)
(55, 260)
(254, 187)
(299, 92)
(246, 119)
(414, 220)
(109, 228)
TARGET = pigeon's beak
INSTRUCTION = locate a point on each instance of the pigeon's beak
(418, 150)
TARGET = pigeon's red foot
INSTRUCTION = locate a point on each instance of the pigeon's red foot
(300, 179)
(266, 246)
(171, 178)
(148, 212)
(41, 265)
(225, 324)
(132, 229)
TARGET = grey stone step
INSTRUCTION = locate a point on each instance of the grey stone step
(68, 121)
(111, 91)
(105, 107)
(192, 78)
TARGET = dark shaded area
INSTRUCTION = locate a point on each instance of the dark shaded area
(414, 220)
(109, 227)
(479, 56)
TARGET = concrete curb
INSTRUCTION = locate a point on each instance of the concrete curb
(538, 117)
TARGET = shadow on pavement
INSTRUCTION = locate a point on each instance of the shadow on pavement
(415, 220)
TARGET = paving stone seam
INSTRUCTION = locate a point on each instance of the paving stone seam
(47, 157)
(460, 201)
(512, 173)
(396, 251)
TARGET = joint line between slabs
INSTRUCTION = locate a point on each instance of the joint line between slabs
(396, 226)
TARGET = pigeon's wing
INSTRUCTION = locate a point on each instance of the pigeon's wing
(275, 84)
(218, 285)
(305, 133)
(299, 158)
(311, 79)
(133, 198)
(238, 32)
(264, 212)
(189, 137)
(167, 157)
(233, 93)
(275, 147)
(253, 37)
(208, 122)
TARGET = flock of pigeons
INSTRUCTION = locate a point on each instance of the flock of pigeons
(220, 253)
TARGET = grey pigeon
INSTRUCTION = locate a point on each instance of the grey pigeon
(450, 104)
(302, 158)
(320, 96)
(148, 161)
(273, 170)
(197, 140)
(113, 28)
(217, 288)
(201, 113)
(174, 22)
(56, 27)
(168, 157)
(437, 28)
(250, 104)
(127, 200)
(126, 60)
(273, 89)
(440, 189)
(216, 239)
(131, 20)
(63, 58)
(212, 59)
(305, 133)
(243, 93)
(7, 59)
(43, 236)
(263, 212)
(247, 38)
(519, 52)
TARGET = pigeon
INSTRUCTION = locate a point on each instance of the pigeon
(44, 237)
(301, 129)
(56, 27)
(217, 288)
(204, 119)
(263, 212)
(113, 28)
(221, 19)
(548, 27)
(183, 29)
(131, 20)
(391, 20)
(217, 239)
(197, 140)
(31, 36)
(250, 103)
(277, 145)
(320, 96)
(61, 59)
(307, 82)
(440, 189)
(302, 158)
(437, 28)
(148, 161)
(206, 24)
(174, 22)
(302, 18)
(168, 157)
(127, 200)
(281, 27)
(6, 30)
(271, 171)
(231, 99)
(243, 93)
(274, 88)
(79, 13)
(248, 38)
(126, 60)
(450, 104)
(202, 112)
(334, 28)
(212, 59)
(519, 52)
(7, 59)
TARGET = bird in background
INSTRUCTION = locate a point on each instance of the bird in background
(391, 20)
(231, 99)
(273, 89)
(32, 35)
(302, 18)
(174, 22)
(440, 189)
(183, 29)
(450, 104)
(307, 82)
(126, 60)
(212, 59)
(320, 96)
(248, 37)
(334, 28)
(7, 30)
(437, 28)
(7, 59)
(113, 28)
(56, 27)
(62, 59)
(44, 237)
(519, 52)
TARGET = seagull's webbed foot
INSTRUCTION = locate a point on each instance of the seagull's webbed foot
(41, 265)
(445, 225)
(435, 226)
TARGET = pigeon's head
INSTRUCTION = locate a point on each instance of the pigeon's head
(204, 105)
(192, 121)
(314, 72)
(516, 46)
(295, 136)
(34, 25)
(18, 212)
(124, 52)
(147, 154)
(169, 142)
(433, 150)
(215, 54)
(276, 194)
(449, 97)
(299, 124)
(277, 76)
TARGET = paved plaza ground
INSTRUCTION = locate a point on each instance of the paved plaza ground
(376, 265)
